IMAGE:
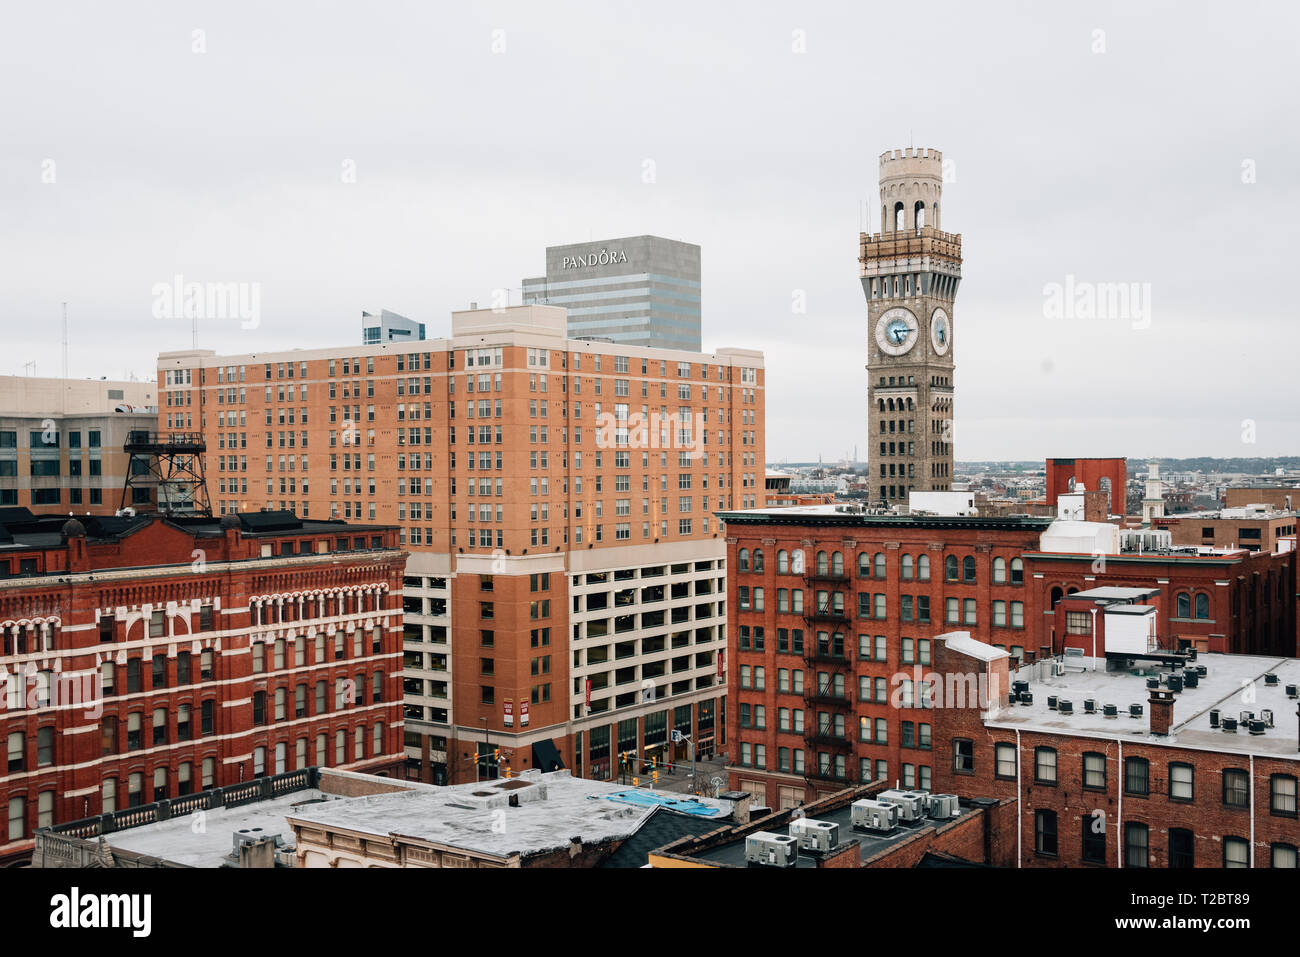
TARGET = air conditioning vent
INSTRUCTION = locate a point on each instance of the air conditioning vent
(1135, 711)
(1089, 705)
(1065, 707)
(1110, 711)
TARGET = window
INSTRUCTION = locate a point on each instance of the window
(1137, 776)
(1282, 795)
(1180, 782)
(1006, 760)
(1236, 787)
(1094, 770)
(1093, 845)
(1045, 832)
(1236, 852)
(1182, 850)
(963, 756)
(1283, 855)
(1136, 845)
(1045, 765)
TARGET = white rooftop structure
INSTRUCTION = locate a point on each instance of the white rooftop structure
(205, 838)
(1082, 538)
(529, 814)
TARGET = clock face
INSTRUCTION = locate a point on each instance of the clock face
(896, 331)
(940, 332)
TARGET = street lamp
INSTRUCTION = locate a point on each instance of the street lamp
(678, 738)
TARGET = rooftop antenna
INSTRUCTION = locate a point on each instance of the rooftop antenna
(65, 340)
(29, 367)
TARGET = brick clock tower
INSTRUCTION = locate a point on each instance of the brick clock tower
(910, 274)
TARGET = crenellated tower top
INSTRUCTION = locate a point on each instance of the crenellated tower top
(911, 185)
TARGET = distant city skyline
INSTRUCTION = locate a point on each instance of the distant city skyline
(1118, 252)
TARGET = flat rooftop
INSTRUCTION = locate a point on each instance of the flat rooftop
(845, 514)
(180, 841)
(1228, 685)
(870, 843)
(553, 809)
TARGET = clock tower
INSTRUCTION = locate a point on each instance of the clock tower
(910, 274)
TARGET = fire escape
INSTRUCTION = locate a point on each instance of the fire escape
(828, 706)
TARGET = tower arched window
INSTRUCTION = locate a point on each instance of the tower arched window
(837, 563)
(742, 560)
(919, 214)
(758, 559)
(968, 568)
(906, 567)
(783, 562)
(1057, 594)
(879, 564)
(951, 568)
(923, 568)
(1017, 571)
(822, 564)
(900, 212)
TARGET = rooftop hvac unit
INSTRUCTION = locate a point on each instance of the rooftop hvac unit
(943, 806)
(1174, 682)
(818, 836)
(1135, 711)
(1110, 711)
(1153, 682)
(911, 804)
(1291, 691)
(765, 849)
(1051, 701)
(1245, 717)
(1191, 653)
(1267, 716)
(1065, 707)
(874, 815)
(1058, 669)
(1191, 680)
(1089, 705)
(1019, 686)
(1214, 717)
(1026, 697)
(1202, 670)
(1270, 679)
(1230, 725)
(1257, 726)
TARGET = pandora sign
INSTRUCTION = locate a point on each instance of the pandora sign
(602, 258)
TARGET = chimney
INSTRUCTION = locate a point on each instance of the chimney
(1162, 711)
(741, 802)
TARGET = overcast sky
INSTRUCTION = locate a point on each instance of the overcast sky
(1105, 142)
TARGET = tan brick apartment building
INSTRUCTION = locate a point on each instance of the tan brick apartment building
(566, 586)
(61, 443)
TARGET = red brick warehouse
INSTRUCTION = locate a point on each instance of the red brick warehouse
(148, 658)
(833, 611)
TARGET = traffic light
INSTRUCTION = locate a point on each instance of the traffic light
(496, 754)
(653, 763)
(636, 782)
(654, 775)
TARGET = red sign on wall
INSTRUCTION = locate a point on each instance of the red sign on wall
(722, 657)
(510, 717)
(523, 713)
(588, 692)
